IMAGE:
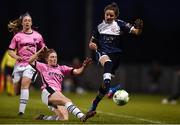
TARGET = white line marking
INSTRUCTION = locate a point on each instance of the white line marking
(129, 117)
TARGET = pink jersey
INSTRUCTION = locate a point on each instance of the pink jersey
(52, 76)
(21, 41)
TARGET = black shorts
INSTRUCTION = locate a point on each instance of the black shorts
(51, 91)
(114, 57)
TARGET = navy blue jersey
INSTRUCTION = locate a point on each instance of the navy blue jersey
(108, 35)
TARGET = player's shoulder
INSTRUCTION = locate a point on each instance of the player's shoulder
(123, 23)
(119, 21)
(101, 24)
(18, 35)
(40, 63)
(62, 66)
(36, 32)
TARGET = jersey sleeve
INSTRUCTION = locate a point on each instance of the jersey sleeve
(95, 33)
(13, 43)
(41, 42)
(125, 26)
(66, 70)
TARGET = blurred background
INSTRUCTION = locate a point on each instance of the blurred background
(149, 62)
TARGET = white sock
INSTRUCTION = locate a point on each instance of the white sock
(73, 109)
(24, 97)
(51, 118)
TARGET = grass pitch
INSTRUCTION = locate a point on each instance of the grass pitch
(141, 109)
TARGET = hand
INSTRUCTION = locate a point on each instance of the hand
(18, 58)
(29, 49)
(93, 46)
(138, 24)
(43, 49)
(87, 61)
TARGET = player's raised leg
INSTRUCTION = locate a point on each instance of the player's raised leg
(104, 88)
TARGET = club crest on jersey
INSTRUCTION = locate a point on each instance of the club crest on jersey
(35, 39)
(114, 29)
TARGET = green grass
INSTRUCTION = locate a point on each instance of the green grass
(141, 109)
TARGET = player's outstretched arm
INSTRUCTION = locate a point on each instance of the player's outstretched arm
(86, 62)
(35, 56)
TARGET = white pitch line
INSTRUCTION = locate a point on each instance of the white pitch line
(130, 117)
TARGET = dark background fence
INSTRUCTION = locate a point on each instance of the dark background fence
(134, 78)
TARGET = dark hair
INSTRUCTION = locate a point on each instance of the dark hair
(15, 25)
(23, 15)
(113, 6)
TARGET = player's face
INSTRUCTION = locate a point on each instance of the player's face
(27, 22)
(109, 16)
(52, 59)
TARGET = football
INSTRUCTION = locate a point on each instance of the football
(121, 97)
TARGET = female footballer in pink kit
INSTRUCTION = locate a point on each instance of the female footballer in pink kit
(26, 42)
(52, 76)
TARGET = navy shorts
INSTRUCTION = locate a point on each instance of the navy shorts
(114, 57)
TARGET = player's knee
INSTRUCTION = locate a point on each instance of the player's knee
(25, 83)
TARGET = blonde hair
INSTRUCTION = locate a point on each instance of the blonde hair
(15, 26)
(43, 56)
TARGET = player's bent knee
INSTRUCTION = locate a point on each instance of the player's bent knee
(103, 59)
(25, 83)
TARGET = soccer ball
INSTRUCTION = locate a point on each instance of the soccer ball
(121, 97)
